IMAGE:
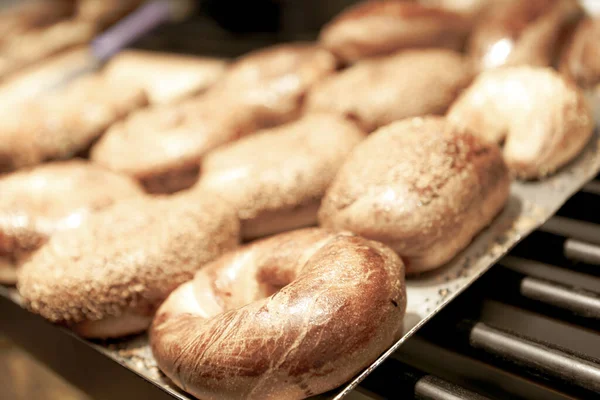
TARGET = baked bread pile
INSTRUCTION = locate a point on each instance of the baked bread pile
(260, 218)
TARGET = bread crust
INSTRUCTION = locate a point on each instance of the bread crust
(375, 28)
(276, 178)
(147, 70)
(50, 198)
(580, 61)
(379, 91)
(284, 317)
(420, 187)
(543, 119)
(515, 32)
(106, 277)
(64, 124)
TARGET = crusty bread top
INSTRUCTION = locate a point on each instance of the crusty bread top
(127, 258)
(280, 168)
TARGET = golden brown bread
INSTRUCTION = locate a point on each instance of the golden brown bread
(51, 198)
(516, 32)
(420, 187)
(543, 119)
(276, 178)
(32, 46)
(107, 277)
(273, 82)
(468, 8)
(581, 59)
(374, 28)
(61, 124)
(33, 14)
(166, 78)
(287, 317)
(379, 91)
(29, 82)
(162, 146)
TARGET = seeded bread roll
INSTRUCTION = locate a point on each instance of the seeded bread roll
(276, 177)
(420, 187)
(60, 125)
(54, 197)
(543, 119)
(287, 317)
(375, 28)
(376, 92)
(107, 277)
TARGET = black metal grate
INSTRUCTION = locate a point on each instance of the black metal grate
(528, 329)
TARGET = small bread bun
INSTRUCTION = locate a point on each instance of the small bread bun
(273, 82)
(581, 59)
(420, 187)
(29, 82)
(374, 28)
(61, 125)
(543, 119)
(287, 317)
(517, 32)
(166, 78)
(162, 146)
(51, 198)
(276, 178)
(107, 277)
(35, 45)
(376, 92)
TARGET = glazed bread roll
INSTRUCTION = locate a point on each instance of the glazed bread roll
(420, 187)
(543, 119)
(287, 317)
(51, 198)
(276, 178)
(162, 146)
(374, 28)
(273, 82)
(515, 32)
(376, 92)
(107, 277)
(581, 59)
(59, 125)
(185, 75)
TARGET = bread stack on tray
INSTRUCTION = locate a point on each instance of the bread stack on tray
(397, 133)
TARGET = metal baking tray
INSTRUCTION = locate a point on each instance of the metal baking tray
(529, 206)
